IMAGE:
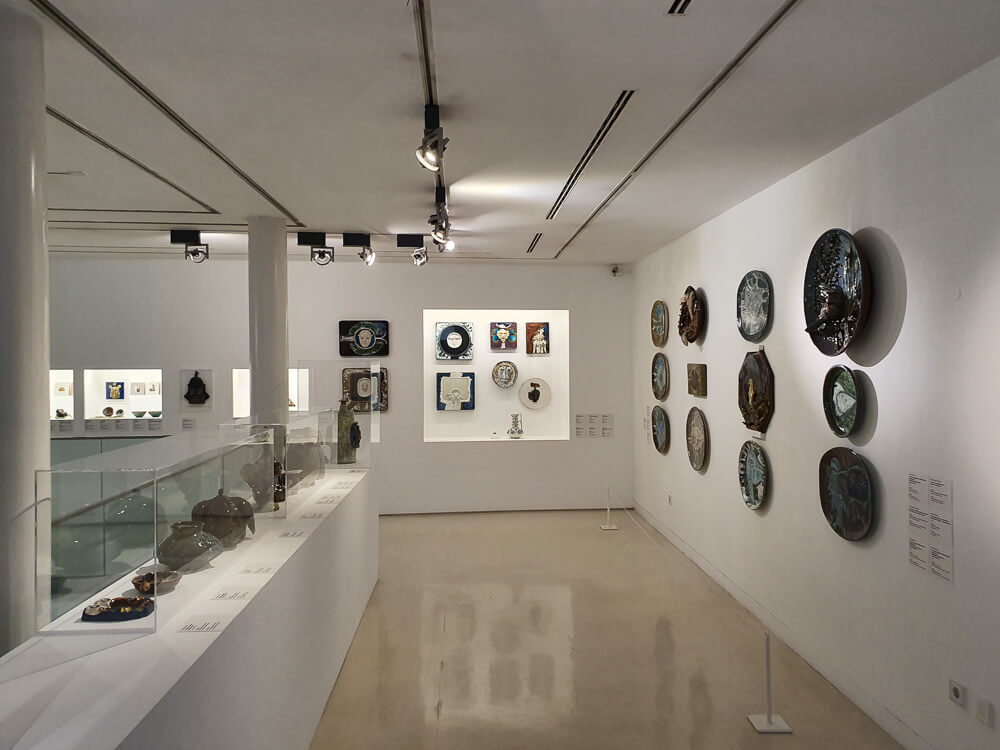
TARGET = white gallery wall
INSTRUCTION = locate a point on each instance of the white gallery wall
(136, 312)
(919, 192)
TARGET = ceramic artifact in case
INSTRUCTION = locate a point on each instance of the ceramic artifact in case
(348, 435)
(188, 548)
(660, 376)
(697, 438)
(756, 391)
(660, 428)
(453, 340)
(537, 336)
(119, 609)
(842, 402)
(658, 323)
(698, 380)
(753, 305)
(227, 518)
(753, 473)
(691, 317)
(456, 391)
(503, 336)
(535, 393)
(358, 385)
(364, 338)
(505, 373)
(837, 292)
(845, 492)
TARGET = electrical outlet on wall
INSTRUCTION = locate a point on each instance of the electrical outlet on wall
(985, 712)
(958, 694)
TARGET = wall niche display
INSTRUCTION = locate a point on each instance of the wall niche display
(358, 385)
(503, 336)
(658, 323)
(535, 393)
(837, 292)
(537, 335)
(842, 402)
(364, 338)
(660, 376)
(753, 305)
(845, 492)
(753, 473)
(456, 391)
(756, 391)
(505, 373)
(697, 438)
(115, 394)
(454, 341)
(60, 394)
(298, 390)
(697, 380)
(661, 429)
(692, 316)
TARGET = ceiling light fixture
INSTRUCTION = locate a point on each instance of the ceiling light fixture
(195, 250)
(430, 154)
(416, 243)
(363, 241)
(319, 252)
(419, 256)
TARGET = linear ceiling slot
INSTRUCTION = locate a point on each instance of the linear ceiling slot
(531, 247)
(678, 7)
(595, 143)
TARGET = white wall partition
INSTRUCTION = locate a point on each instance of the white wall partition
(919, 192)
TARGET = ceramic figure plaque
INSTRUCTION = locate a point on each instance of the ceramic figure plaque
(503, 336)
(756, 391)
(698, 380)
(453, 340)
(138, 389)
(537, 337)
(691, 317)
(505, 373)
(753, 305)
(358, 384)
(364, 338)
(114, 390)
(456, 391)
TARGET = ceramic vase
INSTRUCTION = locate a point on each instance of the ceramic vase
(516, 430)
(188, 548)
(348, 435)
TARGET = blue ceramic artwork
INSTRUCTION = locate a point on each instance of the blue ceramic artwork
(364, 338)
(456, 391)
(114, 390)
(503, 336)
(658, 323)
(753, 474)
(660, 376)
(661, 429)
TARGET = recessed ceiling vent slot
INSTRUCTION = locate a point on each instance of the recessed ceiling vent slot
(531, 247)
(678, 7)
(595, 144)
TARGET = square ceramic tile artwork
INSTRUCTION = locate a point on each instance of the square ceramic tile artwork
(358, 384)
(503, 336)
(364, 338)
(138, 389)
(453, 340)
(63, 389)
(456, 391)
(537, 338)
(698, 380)
(114, 390)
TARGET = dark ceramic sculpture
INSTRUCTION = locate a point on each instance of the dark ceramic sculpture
(845, 493)
(660, 376)
(692, 316)
(837, 292)
(842, 402)
(348, 435)
(118, 609)
(61, 414)
(159, 582)
(661, 429)
(697, 438)
(756, 391)
(306, 460)
(188, 548)
(266, 479)
(658, 323)
(197, 393)
(226, 518)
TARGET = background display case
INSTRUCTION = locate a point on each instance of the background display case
(61, 390)
(123, 394)
(298, 391)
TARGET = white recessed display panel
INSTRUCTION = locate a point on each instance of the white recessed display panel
(535, 343)
(298, 391)
(61, 394)
(123, 394)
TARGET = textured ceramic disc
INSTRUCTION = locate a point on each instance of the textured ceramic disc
(661, 429)
(697, 438)
(535, 393)
(841, 400)
(845, 493)
(505, 373)
(660, 376)
(837, 292)
(753, 474)
(753, 305)
(658, 323)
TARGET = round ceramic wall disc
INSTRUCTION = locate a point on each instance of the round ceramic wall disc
(505, 373)
(535, 393)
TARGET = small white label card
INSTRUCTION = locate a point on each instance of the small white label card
(90, 424)
(106, 425)
(607, 425)
(293, 534)
(138, 425)
(121, 425)
(314, 514)
(235, 593)
(205, 624)
(65, 426)
(187, 423)
(343, 485)
(258, 569)
(155, 425)
(940, 527)
(918, 523)
(329, 500)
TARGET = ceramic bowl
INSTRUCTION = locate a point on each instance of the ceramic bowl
(155, 414)
(138, 414)
(120, 413)
(108, 411)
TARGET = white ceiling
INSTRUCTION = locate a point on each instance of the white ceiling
(321, 104)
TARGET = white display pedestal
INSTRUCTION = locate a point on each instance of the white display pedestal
(261, 680)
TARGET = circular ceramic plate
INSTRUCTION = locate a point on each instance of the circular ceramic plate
(756, 391)
(837, 292)
(535, 393)
(455, 341)
(658, 323)
(842, 400)
(692, 316)
(505, 373)
(753, 305)
(845, 493)
(697, 438)
(661, 376)
(108, 411)
(661, 429)
(753, 474)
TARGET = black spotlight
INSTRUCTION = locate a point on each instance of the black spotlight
(430, 154)
(414, 242)
(319, 252)
(363, 241)
(195, 250)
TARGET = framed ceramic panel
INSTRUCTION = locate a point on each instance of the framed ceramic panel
(535, 393)
(698, 380)
(114, 390)
(537, 337)
(138, 389)
(503, 337)
(196, 388)
(364, 338)
(153, 388)
(358, 385)
(453, 341)
(456, 391)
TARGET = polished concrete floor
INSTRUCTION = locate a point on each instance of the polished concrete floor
(538, 630)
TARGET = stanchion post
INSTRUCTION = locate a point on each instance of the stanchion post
(768, 723)
(609, 526)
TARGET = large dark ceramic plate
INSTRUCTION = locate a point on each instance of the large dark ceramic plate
(756, 391)
(842, 400)
(754, 474)
(661, 429)
(837, 292)
(691, 317)
(845, 493)
(658, 323)
(697, 438)
(454, 341)
(661, 376)
(753, 305)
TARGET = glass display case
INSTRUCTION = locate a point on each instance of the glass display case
(298, 391)
(123, 394)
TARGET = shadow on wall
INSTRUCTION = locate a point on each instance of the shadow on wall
(885, 320)
(869, 410)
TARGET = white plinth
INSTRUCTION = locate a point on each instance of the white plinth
(776, 725)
